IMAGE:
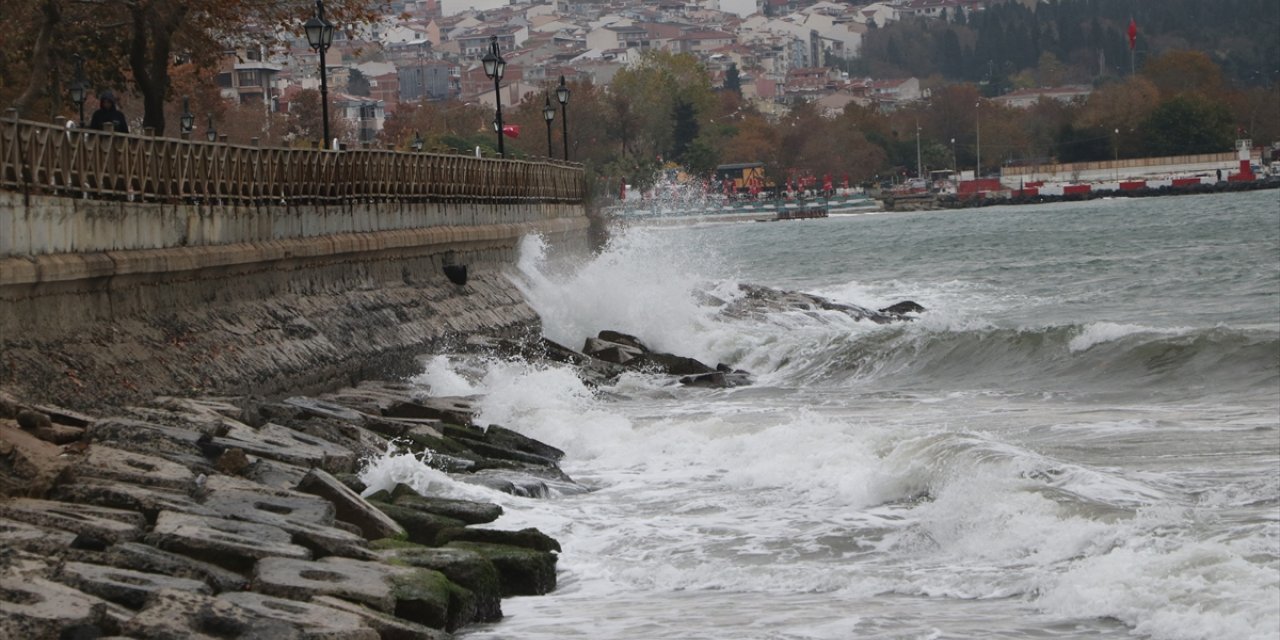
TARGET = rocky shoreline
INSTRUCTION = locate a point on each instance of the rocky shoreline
(244, 517)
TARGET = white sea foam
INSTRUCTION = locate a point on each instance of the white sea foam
(1100, 332)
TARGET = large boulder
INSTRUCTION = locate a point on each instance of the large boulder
(523, 572)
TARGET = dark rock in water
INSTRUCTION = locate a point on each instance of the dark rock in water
(906, 306)
(524, 572)
(505, 437)
(466, 511)
(759, 300)
(453, 409)
(529, 538)
(610, 351)
(671, 364)
(718, 380)
(625, 339)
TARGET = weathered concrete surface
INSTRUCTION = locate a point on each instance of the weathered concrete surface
(110, 525)
(124, 586)
(227, 543)
(316, 620)
(33, 607)
(351, 507)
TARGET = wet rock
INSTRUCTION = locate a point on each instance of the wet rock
(504, 437)
(314, 619)
(453, 410)
(112, 525)
(274, 474)
(523, 572)
(136, 468)
(123, 586)
(350, 507)
(422, 527)
(906, 306)
(429, 598)
(325, 409)
(718, 380)
(671, 364)
(388, 627)
(174, 615)
(529, 538)
(466, 511)
(37, 608)
(757, 300)
(135, 555)
(462, 567)
(516, 484)
(610, 351)
(625, 339)
(231, 544)
(28, 466)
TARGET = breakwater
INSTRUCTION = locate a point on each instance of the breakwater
(164, 306)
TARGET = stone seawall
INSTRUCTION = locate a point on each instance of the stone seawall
(264, 309)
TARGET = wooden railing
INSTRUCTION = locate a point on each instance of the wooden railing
(40, 158)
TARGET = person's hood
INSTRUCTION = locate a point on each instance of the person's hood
(107, 95)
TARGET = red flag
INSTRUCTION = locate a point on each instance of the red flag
(1133, 34)
(511, 130)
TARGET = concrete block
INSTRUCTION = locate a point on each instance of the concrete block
(33, 607)
(135, 555)
(130, 497)
(350, 506)
(137, 468)
(228, 543)
(388, 627)
(523, 572)
(365, 582)
(308, 518)
(123, 586)
(316, 620)
(28, 537)
(172, 614)
(286, 445)
(465, 568)
(110, 525)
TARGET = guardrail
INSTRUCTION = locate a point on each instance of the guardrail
(39, 158)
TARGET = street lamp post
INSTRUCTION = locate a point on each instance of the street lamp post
(78, 88)
(977, 118)
(186, 122)
(494, 67)
(1116, 144)
(919, 164)
(320, 37)
(562, 96)
(954, 167)
(210, 133)
(548, 114)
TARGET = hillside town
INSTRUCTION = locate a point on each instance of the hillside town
(773, 51)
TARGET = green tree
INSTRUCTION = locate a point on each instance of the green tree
(1187, 125)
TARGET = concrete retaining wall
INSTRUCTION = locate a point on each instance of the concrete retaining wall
(103, 302)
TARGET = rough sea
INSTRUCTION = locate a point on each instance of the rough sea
(1080, 437)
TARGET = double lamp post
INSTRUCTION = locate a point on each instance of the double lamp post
(549, 114)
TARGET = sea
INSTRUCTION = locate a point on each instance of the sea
(1079, 437)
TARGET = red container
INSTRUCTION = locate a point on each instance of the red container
(1133, 185)
(1073, 189)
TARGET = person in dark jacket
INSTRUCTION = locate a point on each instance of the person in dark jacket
(107, 112)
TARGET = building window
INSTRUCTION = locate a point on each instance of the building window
(248, 78)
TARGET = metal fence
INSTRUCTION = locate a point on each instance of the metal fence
(41, 158)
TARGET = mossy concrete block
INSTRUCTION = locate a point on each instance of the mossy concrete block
(429, 598)
(528, 538)
(523, 572)
(467, 511)
(465, 568)
(422, 527)
(388, 626)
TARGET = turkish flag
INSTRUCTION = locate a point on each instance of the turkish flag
(511, 130)
(1133, 34)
